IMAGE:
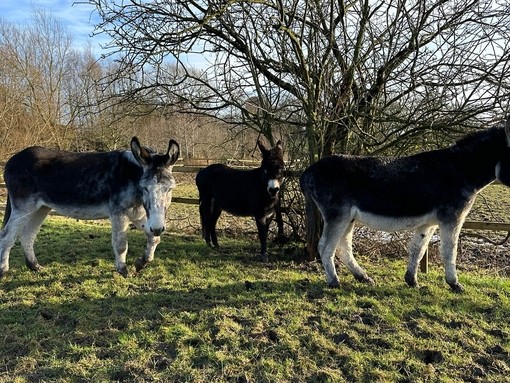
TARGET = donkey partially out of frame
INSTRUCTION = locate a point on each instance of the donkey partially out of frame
(421, 192)
(252, 193)
(124, 186)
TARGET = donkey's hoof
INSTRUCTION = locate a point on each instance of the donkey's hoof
(123, 271)
(140, 263)
(411, 280)
(365, 279)
(3, 273)
(334, 284)
(457, 288)
(264, 258)
(34, 266)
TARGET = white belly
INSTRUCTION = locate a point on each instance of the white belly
(391, 224)
(83, 212)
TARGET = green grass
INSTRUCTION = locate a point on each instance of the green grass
(199, 315)
(492, 204)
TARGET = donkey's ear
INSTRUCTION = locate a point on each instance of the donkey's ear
(172, 153)
(262, 148)
(141, 154)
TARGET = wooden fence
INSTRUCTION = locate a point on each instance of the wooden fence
(468, 225)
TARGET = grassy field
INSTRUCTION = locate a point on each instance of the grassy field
(201, 315)
(196, 315)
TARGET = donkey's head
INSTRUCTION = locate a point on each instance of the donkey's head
(156, 183)
(272, 164)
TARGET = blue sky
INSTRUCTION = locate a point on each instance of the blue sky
(79, 19)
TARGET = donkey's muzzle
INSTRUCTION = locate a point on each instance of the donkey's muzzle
(273, 187)
(156, 231)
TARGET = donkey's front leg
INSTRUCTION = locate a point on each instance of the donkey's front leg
(148, 256)
(140, 221)
(263, 228)
(120, 224)
(449, 240)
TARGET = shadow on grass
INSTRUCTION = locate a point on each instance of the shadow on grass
(79, 309)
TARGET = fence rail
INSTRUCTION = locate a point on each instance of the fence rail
(468, 225)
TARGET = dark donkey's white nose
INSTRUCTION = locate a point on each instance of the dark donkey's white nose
(273, 187)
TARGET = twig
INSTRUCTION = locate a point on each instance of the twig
(475, 235)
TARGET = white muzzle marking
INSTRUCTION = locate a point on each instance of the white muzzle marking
(273, 186)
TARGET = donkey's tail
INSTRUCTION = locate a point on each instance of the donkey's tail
(202, 217)
(8, 211)
(313, 221)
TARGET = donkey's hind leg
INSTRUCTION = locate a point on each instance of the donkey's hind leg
(204, 210)
(209, 214)
(417, 248)
(8, 237)
(215, 215)
(331, 234)
(28, 235)
(449, 240)
(345, 252)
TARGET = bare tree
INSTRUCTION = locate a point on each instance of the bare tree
(351, 76)
(37, 68)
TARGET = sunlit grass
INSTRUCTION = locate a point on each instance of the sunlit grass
(212, 316)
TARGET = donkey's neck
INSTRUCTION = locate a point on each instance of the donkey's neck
(479, 159)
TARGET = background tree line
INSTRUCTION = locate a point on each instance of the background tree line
(353, 76)
(56, 95)
(342, 76)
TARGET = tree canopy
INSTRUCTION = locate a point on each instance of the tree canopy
(346, 76)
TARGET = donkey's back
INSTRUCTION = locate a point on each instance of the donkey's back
(236, 191)
(390, 187)
(60, 179)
